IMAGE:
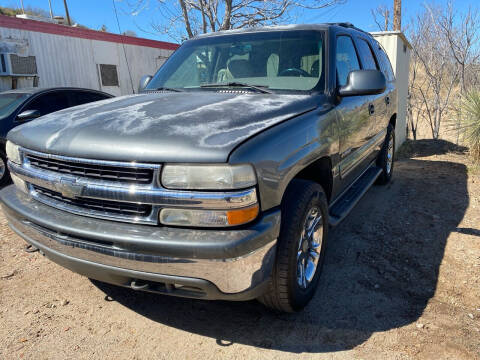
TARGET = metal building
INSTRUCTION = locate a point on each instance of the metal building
(36, 53)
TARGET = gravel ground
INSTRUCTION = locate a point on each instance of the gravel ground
(401, 281)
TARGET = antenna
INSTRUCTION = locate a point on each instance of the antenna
(50, 7)
(69, 22)
(123, 46)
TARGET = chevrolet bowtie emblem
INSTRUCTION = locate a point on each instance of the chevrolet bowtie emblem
(69, 188)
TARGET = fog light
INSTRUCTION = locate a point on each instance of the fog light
(208, 218)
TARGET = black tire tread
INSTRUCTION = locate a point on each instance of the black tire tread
(298, 193)
(6, 176)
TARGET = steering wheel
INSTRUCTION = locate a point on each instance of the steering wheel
(293, 71)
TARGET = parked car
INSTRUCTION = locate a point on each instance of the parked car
(20, 106)
(220, 180)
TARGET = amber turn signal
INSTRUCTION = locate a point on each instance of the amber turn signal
(242, 216)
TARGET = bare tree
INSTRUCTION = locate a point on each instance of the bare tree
(382, 17)
(463, 35)
(437, 73)
(187, 18)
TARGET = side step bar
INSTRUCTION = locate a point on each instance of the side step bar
(342, 207)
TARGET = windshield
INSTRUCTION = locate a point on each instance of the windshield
(10, 101)
(279, 60)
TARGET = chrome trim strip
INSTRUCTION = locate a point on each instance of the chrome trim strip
(229, 275)
(131, 164)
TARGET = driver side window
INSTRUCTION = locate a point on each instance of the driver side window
(346, 59)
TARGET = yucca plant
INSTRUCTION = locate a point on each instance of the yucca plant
(471, 123)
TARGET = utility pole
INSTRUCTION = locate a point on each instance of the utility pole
(387, 17)
(397, 15)
(50, 6)
(66, 13)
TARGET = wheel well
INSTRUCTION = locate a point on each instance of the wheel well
(320, 172)
(393, 120)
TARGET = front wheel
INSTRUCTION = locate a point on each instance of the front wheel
(300, 248)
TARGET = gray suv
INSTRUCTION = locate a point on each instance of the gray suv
(221, 179)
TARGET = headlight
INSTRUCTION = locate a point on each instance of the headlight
(13, 153)
(208, 218)
(208, 177)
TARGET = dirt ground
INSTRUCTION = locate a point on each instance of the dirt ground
(401, 281)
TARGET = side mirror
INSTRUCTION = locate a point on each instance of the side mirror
(364, 82)
(144, 82)
(28, 115)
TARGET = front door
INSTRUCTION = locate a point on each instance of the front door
(355, 116)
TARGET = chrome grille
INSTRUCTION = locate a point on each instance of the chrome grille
(112, 190)
(104, 206)
(124, 174)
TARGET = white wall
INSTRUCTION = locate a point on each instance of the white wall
(398, 50)
(70, 61)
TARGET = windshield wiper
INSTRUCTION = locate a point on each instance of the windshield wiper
(260, 88)
(166, 89)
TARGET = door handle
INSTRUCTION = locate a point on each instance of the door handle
(387, 100)
(371, 109)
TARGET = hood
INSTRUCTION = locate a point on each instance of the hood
(160, 127)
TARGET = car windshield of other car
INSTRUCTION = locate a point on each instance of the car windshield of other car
(277, 60)
(10, 101)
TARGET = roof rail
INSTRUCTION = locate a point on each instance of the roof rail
(348, 25)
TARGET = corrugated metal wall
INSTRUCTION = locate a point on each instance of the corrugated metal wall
(69, 61)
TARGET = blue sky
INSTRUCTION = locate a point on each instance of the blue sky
(94, 13)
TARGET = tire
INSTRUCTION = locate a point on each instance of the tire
(4, 173)
(285, 293)
(386, 157)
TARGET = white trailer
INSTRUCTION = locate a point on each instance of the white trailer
(36, 53)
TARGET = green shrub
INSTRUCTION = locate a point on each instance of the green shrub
(471, 123)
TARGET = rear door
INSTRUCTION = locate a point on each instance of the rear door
(390, 92)
(377, 103)
(354, 119)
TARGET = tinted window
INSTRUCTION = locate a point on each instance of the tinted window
(281, 60)
(10, 101)
(49, 102)
(366, 55)
(385, 65)
(83, 97)
(346, 59)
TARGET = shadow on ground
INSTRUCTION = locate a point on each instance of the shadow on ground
(428, 147)
(381, 269)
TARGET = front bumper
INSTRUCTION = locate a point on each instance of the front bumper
(211, 264)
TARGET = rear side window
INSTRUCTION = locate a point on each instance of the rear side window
(83, 97)
(385, 64)
(49, 102)
(346, 58)
(366, 55)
